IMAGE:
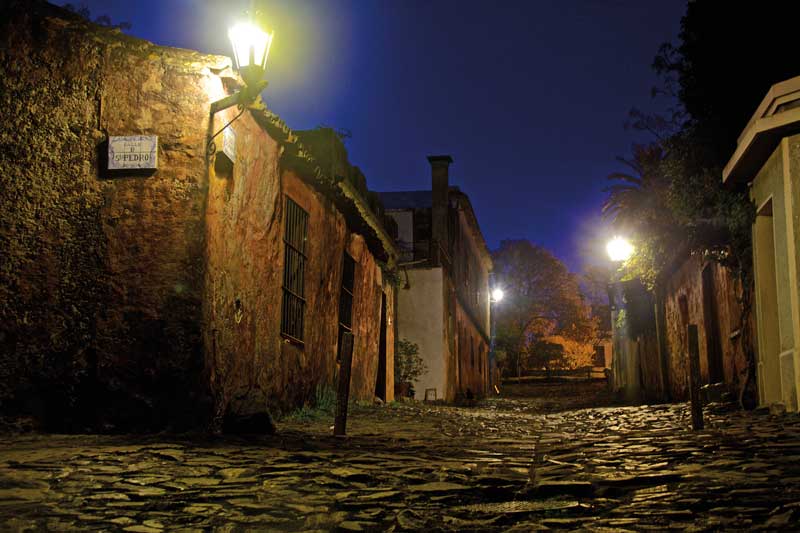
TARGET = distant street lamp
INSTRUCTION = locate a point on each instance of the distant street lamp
(619, 249)
(251, 46)
(497, 295)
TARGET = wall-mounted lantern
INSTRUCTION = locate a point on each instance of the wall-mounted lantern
(619, 249)
(250, 50)
(251, 47)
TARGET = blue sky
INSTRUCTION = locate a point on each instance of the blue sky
(529, 97)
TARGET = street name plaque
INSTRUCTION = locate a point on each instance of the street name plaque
(133, 152)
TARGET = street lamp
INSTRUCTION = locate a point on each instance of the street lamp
(250, 50)
(495, 297)
(619, 249)
(251, 46)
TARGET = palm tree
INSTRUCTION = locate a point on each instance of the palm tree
(638, 202)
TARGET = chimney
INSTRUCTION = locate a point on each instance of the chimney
(440, 186)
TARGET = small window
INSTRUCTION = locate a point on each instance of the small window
(294, 262)
(346, 299)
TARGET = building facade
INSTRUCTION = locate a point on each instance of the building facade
(651, 346)
(767, 159)
(208, 286)
(444, 300)
(707, 294)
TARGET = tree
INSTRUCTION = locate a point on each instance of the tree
(542, 299)
(718, 73)
(638, 204)
(408, 367)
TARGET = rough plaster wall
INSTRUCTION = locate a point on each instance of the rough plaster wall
(419, 320)
(794, 169)
(794, 252)
(470, 277)
(243, 237)
(687, 281)
(450, 318)
(769, 182)
(472, 375)
(768, 294)
(366, 320)
(101, 276)
(254, 366)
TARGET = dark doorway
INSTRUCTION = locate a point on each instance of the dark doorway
(711, 322)
(380, 383)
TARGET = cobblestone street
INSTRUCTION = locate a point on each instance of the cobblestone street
(507, 464)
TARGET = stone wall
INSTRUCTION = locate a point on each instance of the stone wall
(101, 276)
(684, 305)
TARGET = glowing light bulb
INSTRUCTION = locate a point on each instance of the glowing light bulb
(619, 249)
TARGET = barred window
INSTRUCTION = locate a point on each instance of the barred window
(294, 262)
(346, 300)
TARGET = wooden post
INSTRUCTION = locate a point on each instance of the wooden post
(343, 393)
(694, 378)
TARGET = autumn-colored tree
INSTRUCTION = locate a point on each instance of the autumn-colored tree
(543, 299)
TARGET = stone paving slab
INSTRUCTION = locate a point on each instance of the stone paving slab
(501, 466)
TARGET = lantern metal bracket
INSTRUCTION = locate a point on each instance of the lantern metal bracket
(243, 98)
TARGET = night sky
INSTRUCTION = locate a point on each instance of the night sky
(530, 98)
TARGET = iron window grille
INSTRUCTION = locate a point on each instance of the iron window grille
(294, 262)
(346, 300)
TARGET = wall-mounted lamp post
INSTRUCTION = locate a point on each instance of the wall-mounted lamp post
(495, 298)
(497, 295)
(619, 249)
(251, 47)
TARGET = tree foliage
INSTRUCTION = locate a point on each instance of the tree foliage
(543, 305)
(676, 204)
(408, 364)
(719, 71)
